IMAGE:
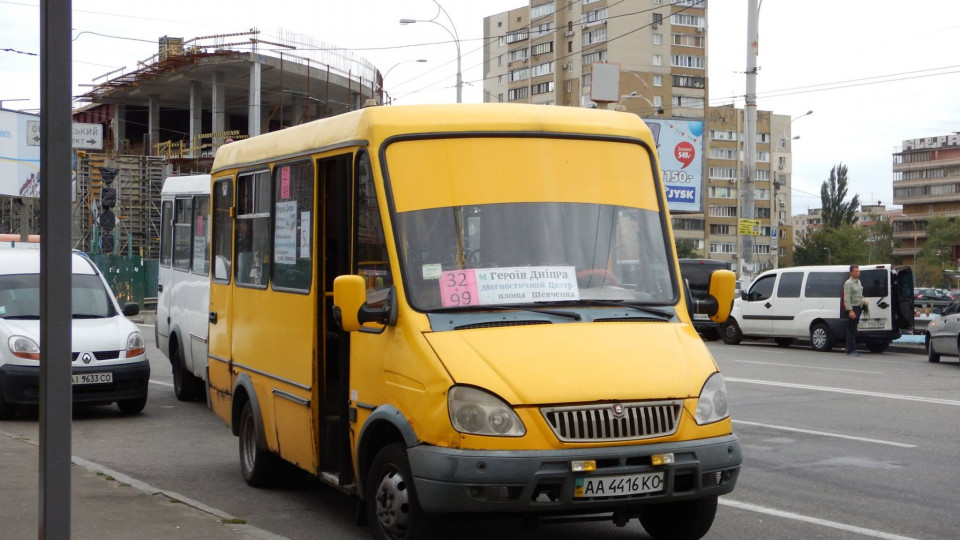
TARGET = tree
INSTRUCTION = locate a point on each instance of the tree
(686, 249)
(937, 252)
(843, 245)
(880, 239)
(836, 212)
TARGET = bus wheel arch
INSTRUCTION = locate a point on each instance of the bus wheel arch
(385, 426)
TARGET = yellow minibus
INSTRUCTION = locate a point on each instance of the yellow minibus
(467, 310)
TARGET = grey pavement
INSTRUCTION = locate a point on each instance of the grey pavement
(106, 504)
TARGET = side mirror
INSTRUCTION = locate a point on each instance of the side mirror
(743, 295)
(722, 284)
(351, 307)
(130, 309)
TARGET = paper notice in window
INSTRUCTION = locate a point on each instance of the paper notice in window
(285, 235)
(515, 285)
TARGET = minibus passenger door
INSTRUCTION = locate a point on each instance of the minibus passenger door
(221, 299)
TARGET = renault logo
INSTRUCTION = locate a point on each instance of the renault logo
(86, 358)
(618, 409)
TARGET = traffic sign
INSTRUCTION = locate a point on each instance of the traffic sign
(84, 137)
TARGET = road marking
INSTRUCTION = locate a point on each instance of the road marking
(808, 367)
(161, 383)
(825, 434)
(850, 391)
(808, 519)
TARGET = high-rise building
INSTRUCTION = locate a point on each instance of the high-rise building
(926, 181)
(545, 52)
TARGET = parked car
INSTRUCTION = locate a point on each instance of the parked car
(942, 336)
(929, 297)
(109, 356)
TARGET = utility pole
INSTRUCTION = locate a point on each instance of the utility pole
(750, 138)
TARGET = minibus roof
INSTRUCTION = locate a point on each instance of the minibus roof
(374, 124)
(198, 183)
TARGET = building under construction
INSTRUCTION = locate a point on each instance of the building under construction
(169, 116)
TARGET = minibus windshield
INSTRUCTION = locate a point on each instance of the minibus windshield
(533, 253)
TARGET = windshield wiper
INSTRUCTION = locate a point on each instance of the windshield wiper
(620, 303)
(88, 316)
(20, 317)
(518, 307)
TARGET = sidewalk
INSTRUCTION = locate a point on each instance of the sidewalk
(106, 504)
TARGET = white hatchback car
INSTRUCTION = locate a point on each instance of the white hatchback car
(109, 356)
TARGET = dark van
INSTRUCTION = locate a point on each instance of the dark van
(701, 275)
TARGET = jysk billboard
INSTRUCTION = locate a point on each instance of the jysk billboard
(680, 145)
(19, 160)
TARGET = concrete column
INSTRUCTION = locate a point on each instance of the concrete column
(219, 108)
(119, 127)
(196, 117)
(253, 115)
(153, 115)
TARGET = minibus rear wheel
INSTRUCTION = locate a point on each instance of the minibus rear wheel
(684, 520)
(393, 510)
(258, 465)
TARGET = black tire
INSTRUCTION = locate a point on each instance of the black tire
(393, 510)
(132, 406)
(820, 337)
(186, 386)
(877, 345)
(259, 466)
(712, 334)
(783, 341)
(684, 520)
(730, 331)
(932, 357)
(7, 410)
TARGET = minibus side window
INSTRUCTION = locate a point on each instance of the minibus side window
(761, 289)
(789, 286)
(292, 226)
(253, 229)
(183, 215)
(221, 250)
(201, 235)
(372, 260)
(825, 284)
(166, 235)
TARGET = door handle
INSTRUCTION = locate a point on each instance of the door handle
(159, 287)
(768, 305)
(213, 317)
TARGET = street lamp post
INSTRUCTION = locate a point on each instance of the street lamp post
(829, 257)
(384, 76)
(456, 40)
(656, 109)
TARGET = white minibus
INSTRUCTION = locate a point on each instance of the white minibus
(183, 285)
(803, 302)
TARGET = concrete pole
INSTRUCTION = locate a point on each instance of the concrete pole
(153, 119)
(254, 114)
(750, 138)
(218, 109)
(196, 117)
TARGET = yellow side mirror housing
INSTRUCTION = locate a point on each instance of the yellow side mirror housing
(722, 285)
(349, 295)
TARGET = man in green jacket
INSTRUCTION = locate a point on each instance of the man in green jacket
(853, 299)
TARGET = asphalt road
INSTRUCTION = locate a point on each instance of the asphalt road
(834, 447)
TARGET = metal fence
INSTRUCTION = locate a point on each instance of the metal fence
(133, 279)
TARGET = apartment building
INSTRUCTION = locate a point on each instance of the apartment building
(926, 181)
(723, 190)
(544, 53)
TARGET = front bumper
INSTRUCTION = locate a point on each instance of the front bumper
(461, 481)
(20, 385)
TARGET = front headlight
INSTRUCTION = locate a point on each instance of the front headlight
(24, 347)
(712, 404)
(135, 346)
(478, 412)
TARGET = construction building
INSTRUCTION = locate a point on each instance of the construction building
(926, 181)
(170, 114)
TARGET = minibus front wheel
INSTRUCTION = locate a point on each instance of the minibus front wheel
(683, 520)
(393, 510)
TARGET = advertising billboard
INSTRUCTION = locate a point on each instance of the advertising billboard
(680, 145)
(19, 154)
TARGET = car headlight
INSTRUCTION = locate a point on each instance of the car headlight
(24, 347)
(135, 346)
(712, 404)
(479, 412)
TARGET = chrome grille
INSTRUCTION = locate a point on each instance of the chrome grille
(602, 422)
